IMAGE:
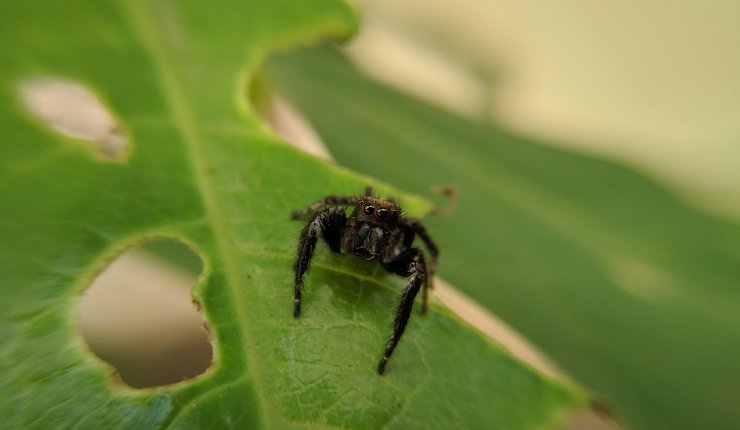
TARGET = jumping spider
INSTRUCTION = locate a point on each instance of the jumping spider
(376, 230)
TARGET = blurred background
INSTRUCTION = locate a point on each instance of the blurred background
(654, 84)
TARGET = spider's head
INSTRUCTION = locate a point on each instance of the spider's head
(384, 212)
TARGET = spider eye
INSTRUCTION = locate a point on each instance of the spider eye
(382, 213)
(360, 203)
(369, 209)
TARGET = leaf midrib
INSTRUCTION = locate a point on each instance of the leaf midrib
(184, 120)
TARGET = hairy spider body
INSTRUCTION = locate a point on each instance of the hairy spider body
(376, 230)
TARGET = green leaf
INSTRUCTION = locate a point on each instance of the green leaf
(631, 290)
(185, 158)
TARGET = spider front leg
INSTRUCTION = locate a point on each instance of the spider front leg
(409, 263)
(417, 228)
(328, 225)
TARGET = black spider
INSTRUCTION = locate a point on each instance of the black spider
(376, 230)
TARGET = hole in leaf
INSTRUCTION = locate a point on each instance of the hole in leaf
(73, 110)
(139, 317)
